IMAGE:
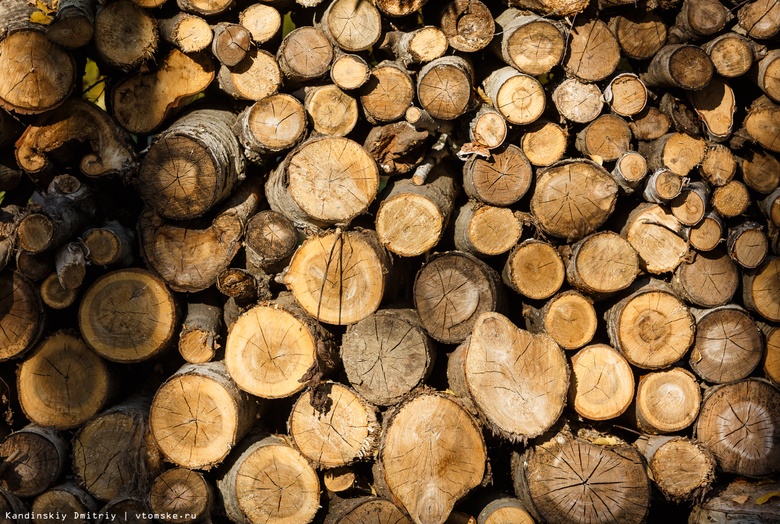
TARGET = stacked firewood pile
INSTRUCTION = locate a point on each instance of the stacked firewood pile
(390, 261)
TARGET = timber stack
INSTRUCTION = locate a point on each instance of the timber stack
(394, 261)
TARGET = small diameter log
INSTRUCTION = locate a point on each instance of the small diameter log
(192, 165)
(577, 101)
(766, 74)
(719, 165)
(737, 424)
(518, 97)
(265, 465)
(569, 318)
(199, 414)
(486, 230)
(770, 206)
(304, 54)
(709, 279)
(353, 27)
(651, 327)
(263, 360)
(70, 262)
(715, 104)
(204, 7)
(200, 333)
(677, 152)
(504, 510)
(516, 380)
(663, 186)
(690, 206)
(487, 129)
(667, 401)
(760, 124)
(605, 138)
(451, 291)
(22, 322)
(387, 355)
(349, 71)
(337, 433)
(760, 19)
(630, 169)
(125, 35)
(602, 263)
(681, 66)
(181, 492)
(262, 21)
(761, 289)
(747, 244)
(569, 478)
(62, 401)
(650, 124)
(760, 171)
(444, 87)
(340, 277)
(641, 34)
(230, 43)
(270, 239)
(468, 25)
(602, 383)
(54, 295)
(573, 198)
(501, 180)
(332, 111)
(411, 218)
(34, 266)
(732, 54)
(73, 25)
(432, 453)
(114, 452)
(128, 315)
(528, 42)
(544, 143)
(271, 125)
(626, 95)
(698, 19)
(728, 345)
(681, 468)
(240, 285)
(126, 509)
(731, 200)
(363, 509)
(594, 52)
(189, 33)
(33, 459)
(67, 499)
(111, 244)
(254, 78)
(419, 46)
(659, 239)
(326, 180)
(534, 269)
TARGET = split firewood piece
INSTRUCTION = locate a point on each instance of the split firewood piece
(659, 239)
(626, 95)
(594, 52)
(204, 7)
(326, 180)
(569, 318)
(263, 360)
(577, 101)
(731, 200)
(262, 21)
(54, 295)
(518, 97)
(230, 43)
(500, 180)
(651, 327)
(339, 277)
(352, 26)
(254, 78)
(432, 453)
(468, 25)
(110, 244)
(550, 479)
(484, 230)
(767, 74)
(73, 25)
(34, 266)
(332, 111)
(181, 492)
(573, 198)
(304, 54)
(343, 480)
(760, 171)
(271, 125)
(60, 400)
(398, 148)
(607, 138)
(602, 263)
(419, 46)
(761, 289)
(190, 255)
(770, 206)
(23, 320)
(629, 171)
(715, 104)
(663, 186)
(200, 333)
(677, 152)
(199, 414)
(602, 385)
(681, 468)
(641, 34)
(126, 35)
(534, 269)
(747, 244)
(728, 345)
(698, 19)
(269, 241)
(444, 87)
(189, 33)
(544, 143)
(737, 422)
(451, 291)
(667, 401)
(349, 71)
(363, 509)
(679, 65)
(114, 452)
(760, 124)
(760, 19)
(267, 464)
(710, 279)
(337, 433)
(128, 316)
(387, 355)
(33, 459)
(76, 121)
(516, 380)
(504, 509)
(720, 165)
(70, 262)
(650, 124)
(732, 54)
(68, 499)
(529, 42)
(192, 165)
(411, 219)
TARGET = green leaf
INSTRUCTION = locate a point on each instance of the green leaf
(287, 25)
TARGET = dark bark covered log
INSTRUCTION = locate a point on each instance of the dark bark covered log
(698, 19)
(33, 459)
(125, 35)
(73, 26)
(184, 493)
(682, 66)
(22, 324)
(68, 499)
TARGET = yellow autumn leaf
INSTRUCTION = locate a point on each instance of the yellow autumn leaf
(763, 499)
(93, 85)
(606, 441)
(44, 13)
